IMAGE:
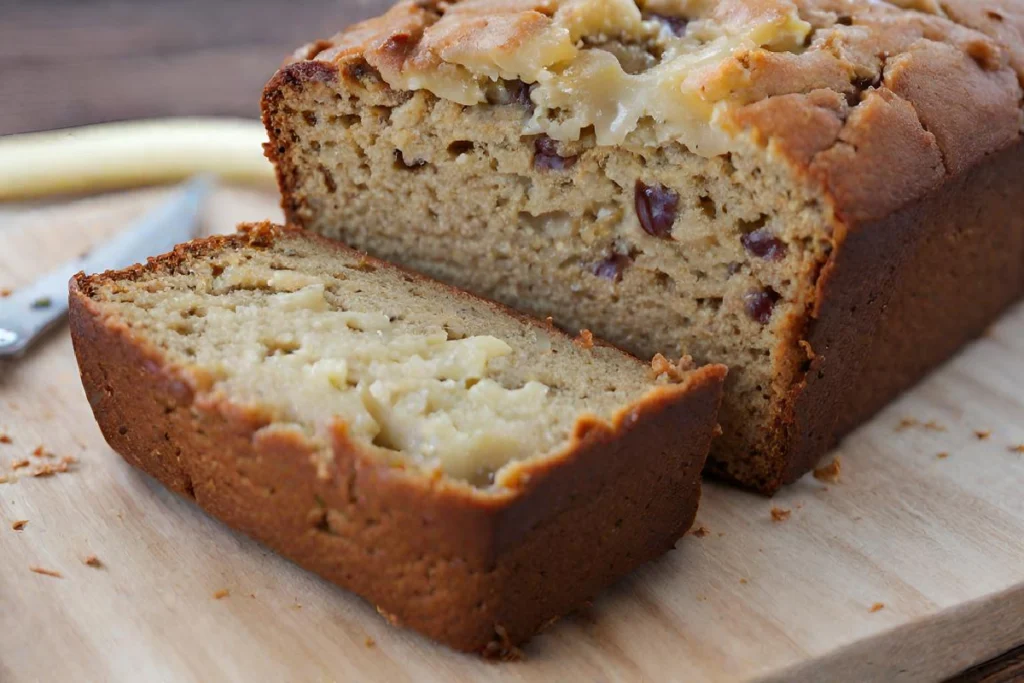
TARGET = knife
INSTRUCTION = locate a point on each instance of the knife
(29, 312)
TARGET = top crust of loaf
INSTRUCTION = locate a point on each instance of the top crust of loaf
(874, 102)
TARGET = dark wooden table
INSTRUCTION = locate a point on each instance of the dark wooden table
(71, 62)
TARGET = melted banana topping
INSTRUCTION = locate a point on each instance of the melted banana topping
(606, 64)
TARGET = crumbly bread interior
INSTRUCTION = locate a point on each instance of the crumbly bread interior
(419, 374)
(459, 194)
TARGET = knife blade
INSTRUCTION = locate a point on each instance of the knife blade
(30, 311)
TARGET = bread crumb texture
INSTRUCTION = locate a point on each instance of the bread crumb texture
(877, 607)
(49, 469)
(780, 514)
(829, 473)
(418, 374)
(46, 572)
(907, 423)
(19, 524)
(502, 648)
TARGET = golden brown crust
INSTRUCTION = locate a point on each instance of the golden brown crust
(468, 567)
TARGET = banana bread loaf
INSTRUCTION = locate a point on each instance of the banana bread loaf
(823, 195)
(472, 473)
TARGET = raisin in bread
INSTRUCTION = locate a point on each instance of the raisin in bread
(472, 473)
(824, 195)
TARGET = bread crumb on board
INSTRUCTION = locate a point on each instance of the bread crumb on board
(983, 434)
(92, 561)
(701, 531)
(502, 648)
(5, 437)
(744, 581)
(829, 473)
(780, 514)
(46, 572)
(5, 292)
(907, 423)
(931, 425)
(221, 594)
(390, 618)
(370, 642)
(49, 469)
(19, 524)
(1019, 448)
(877, 607)
(18, 464)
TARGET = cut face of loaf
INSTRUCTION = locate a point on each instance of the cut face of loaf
(745, 182)
(398, 436)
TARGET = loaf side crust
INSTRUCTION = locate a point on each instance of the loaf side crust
(901, 296)
(477, 570)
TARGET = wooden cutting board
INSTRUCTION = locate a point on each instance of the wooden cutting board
(910, 568)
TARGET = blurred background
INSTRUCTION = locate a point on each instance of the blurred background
(73, 62)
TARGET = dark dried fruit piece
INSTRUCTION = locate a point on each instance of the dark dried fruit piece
(519, 92)
(761, 303)
(506, 92)
(363, 72)
(657, 208)
(763, 244)
(612, 266)
(547, 158)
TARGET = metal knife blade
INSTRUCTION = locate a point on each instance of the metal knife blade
(31, 310)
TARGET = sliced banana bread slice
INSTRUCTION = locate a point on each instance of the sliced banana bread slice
(783, 186)
(471, 472)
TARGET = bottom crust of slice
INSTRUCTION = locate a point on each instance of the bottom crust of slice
(476, 571)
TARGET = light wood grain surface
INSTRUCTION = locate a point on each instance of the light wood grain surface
(936, 541)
